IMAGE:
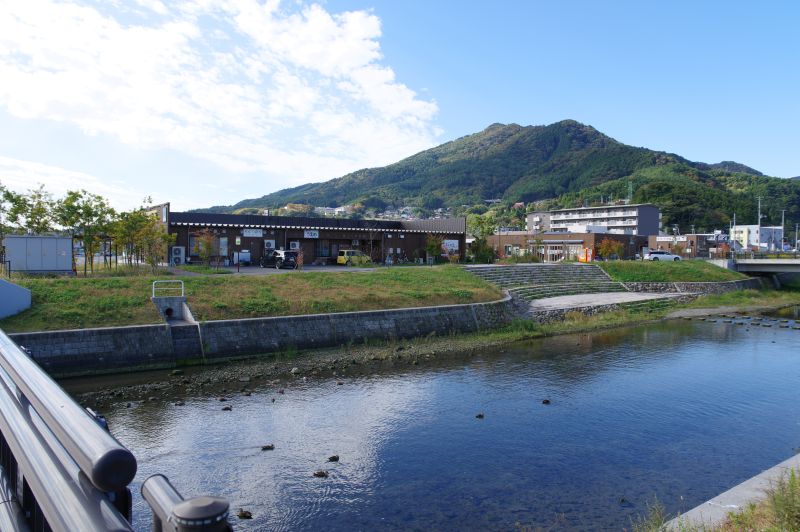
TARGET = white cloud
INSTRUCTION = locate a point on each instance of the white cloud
(21, 176)
(289, 91)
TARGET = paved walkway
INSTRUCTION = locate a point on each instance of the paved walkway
(592, 300)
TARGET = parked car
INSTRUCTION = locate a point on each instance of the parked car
(661, 255)
(350, 257)
(280, 259)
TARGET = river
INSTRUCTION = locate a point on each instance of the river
(679, 411)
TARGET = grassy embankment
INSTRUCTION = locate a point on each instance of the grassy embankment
(69, 303)
(668, 272)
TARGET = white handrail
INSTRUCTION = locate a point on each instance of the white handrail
(168, 288)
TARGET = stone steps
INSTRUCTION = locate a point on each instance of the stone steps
(539, 274)
(532, 292)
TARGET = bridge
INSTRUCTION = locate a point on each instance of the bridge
(754, 264)
(767, 266)
(62, 471)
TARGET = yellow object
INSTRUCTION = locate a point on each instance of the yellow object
(351, 257)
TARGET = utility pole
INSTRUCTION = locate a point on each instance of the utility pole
(783, 221)
(795, 237)
(758, 228)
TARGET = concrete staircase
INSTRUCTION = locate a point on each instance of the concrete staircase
(529, 282)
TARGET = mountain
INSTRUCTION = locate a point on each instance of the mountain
(567, 163)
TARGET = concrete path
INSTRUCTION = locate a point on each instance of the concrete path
(593, 300)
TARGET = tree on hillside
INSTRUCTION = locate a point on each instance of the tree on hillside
(88, 216)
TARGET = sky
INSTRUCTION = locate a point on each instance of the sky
(208, 102)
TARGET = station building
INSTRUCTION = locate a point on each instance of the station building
(320, 239)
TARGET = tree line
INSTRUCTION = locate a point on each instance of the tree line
(89, 218)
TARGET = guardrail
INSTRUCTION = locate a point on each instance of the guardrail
(60, 470)
(171, 288)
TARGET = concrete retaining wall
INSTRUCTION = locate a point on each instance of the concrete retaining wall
(755, 283)
(114, 349)
(86, 351)
(13, 299)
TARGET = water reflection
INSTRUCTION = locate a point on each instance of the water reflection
(680, 411)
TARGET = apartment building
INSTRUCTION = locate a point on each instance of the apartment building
(633, 219)
(537, 222)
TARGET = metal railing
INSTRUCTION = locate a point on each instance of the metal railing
(168, 288)
(60, 470)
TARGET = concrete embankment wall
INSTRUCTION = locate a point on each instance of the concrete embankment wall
(755, 283)
(114, 349)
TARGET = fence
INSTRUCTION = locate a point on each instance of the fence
(61, 470)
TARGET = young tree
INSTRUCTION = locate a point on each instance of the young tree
(7, 200)
(609, 247)
(154, 242)
(126, 231)
(31, 212)
(433, 245)
(86, 215)
(206, 246)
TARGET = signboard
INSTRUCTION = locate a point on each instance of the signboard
(670, 239)
(310, 233)
(238, 241)
(257, 233)
(450, 245)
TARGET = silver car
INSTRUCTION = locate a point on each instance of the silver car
(661, 255)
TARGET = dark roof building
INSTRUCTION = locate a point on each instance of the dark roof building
(320, 239)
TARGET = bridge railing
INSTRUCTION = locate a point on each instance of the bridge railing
(60, 470)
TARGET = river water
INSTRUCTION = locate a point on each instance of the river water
(679, 411)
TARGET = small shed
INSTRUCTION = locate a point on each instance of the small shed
(38, 253)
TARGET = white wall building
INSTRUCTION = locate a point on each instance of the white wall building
(758, 238)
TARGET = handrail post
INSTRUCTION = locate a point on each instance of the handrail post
(173, 513)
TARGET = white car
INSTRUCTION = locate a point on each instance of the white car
(661, 255)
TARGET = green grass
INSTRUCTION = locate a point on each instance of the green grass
(745, 298)
(668, 272)
(70, 302)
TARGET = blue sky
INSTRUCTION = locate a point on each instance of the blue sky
(202, 103)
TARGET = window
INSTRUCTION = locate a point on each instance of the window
(323, 248)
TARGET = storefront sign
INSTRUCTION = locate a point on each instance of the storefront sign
(257, 233)
(450, 245)
(238, 241)
(670, 239)
(310, 233)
